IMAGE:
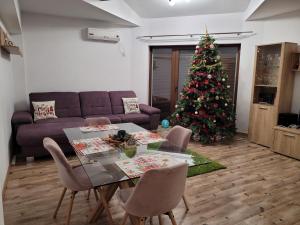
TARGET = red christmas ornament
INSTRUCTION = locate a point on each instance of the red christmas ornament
(212, 90)
(206, 82)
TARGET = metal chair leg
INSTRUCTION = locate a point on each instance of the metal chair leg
(124, 219)
(171, 216)
(185, 203)
(59, 202)
(88, 195)
(70, 207)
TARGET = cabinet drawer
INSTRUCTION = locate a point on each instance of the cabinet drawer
(287, 143)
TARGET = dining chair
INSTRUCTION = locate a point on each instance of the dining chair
(72, 178)
(94, 121)
(180, 137)
(158, 192)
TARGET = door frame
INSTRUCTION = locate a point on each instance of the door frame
(175, 69)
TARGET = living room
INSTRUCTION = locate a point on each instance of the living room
(69, 51)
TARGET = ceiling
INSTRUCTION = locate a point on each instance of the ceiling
(161, 8)
(70, 8)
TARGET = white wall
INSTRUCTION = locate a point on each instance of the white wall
(275, 30)
(7, 108)
(58, 58)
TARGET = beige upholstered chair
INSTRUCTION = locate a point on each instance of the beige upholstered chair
(157, 192)
(72, 178)
(180, 137)
(96, 121)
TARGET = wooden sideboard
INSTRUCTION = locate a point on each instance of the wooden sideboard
(287, 141)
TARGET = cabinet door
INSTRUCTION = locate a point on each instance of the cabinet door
(262, 125)
(286, 144)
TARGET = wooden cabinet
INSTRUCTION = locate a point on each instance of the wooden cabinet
(262, 123)
(287, 141)
(272, 90)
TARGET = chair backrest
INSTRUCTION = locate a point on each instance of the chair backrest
(65, 171)
(94, 121)
(158, 191)
(179, 136)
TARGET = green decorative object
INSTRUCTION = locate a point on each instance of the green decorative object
(130, 150)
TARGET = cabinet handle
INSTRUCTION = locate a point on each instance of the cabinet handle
(289, 135)
(264, 108)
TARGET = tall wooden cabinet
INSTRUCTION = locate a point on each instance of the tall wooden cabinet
(272, 90)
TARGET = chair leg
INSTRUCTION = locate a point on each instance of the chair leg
(142, 221)
(171, 216)
(124, 219)
(70, 207)
(59, 202)
(96, 195)
(88, 195)
(160, 220)
(185, 203)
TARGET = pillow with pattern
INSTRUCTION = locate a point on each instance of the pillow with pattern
(44, 110)
(131, 105)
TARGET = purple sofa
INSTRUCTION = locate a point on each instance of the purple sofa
(71, 108)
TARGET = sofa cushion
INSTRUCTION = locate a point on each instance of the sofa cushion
(117, 102)
(33, 134)
(67, 104)
(137, 118)
(112, 118)
(61, 120)
(95, 103)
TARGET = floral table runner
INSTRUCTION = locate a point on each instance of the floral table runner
(146, 137)
(91, 146)
(98, 128)
(137, 166)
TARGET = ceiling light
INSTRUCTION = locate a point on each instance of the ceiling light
(172, 2)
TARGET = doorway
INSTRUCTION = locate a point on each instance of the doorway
(169, 68)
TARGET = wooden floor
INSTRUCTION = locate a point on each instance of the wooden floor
(258, 187)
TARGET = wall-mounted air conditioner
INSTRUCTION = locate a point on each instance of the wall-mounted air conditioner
(101, 35)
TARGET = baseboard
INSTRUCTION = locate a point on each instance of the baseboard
(5, 183)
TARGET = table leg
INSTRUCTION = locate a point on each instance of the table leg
(107, 194)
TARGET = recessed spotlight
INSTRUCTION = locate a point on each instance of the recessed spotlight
(172, 2)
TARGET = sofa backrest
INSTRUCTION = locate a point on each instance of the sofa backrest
(117, 102)
(95, 103)
(67, 104)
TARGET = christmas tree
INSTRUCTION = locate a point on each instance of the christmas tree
(205, 105)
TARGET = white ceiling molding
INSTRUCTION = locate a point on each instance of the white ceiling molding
(10, 16)
(264, 9)
(118, 8)
(76, 9)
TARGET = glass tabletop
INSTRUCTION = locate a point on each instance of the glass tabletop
(101, 167)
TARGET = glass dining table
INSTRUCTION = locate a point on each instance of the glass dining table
(102, 168)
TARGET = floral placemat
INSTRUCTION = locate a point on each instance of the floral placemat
(137, 166)
(91, 146)
(146, 137)
(98, 128)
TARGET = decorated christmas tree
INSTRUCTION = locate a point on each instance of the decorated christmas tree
(205, 105)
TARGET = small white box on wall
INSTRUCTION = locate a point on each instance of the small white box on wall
(101, 35)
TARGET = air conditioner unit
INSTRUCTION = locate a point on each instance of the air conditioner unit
(101, 35)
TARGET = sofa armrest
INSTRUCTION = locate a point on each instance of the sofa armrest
(21, 117)
(149, 109)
